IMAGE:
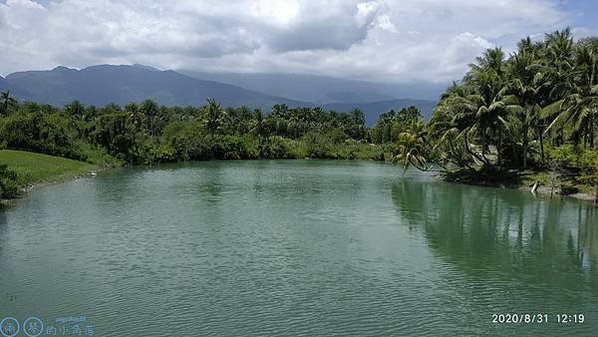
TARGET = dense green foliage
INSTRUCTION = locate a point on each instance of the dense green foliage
(9, 186)
(148, 133)
(535, 109)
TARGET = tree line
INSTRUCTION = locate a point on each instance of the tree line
(534, 109)
(144, 133)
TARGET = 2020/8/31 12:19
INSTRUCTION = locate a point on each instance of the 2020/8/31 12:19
(540, 318)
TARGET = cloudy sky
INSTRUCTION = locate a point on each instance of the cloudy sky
(381, 40)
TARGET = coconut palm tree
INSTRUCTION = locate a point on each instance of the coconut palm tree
(136, 116)
(412, 147)
(213, 116)
(452, 122)
(258, 125)
(579, 108)
(486, 76)
(151, 111)
(7, 101)
(525, 95)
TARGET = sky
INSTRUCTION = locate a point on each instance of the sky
(395, 41)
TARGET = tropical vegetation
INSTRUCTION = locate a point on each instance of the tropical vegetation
(527, 117)
(148, 133)
(534, 110)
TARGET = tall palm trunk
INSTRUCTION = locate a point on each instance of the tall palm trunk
(525, 145)
(541, 139)
(470, 151)
(591, 132)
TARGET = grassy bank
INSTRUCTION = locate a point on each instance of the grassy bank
(35, 168)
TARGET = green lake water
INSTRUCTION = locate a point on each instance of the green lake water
(295, 248)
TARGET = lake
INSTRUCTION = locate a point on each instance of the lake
(296, 248)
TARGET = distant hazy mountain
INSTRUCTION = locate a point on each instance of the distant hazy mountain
(4, 85)
(14, 91)
(322, 89)
(103, 84)
(374, 109)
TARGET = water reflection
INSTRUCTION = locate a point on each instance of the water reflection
(504, 234)
(3, 231)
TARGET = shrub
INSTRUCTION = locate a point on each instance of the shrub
(567, 156)
(277, 147)
(318, 147)
(589, 169)
(337, 136)
(9, 186)
(232, 147)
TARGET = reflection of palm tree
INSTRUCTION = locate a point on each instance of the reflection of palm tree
(473, 228)
(588, 237)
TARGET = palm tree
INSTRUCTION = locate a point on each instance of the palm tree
(279, 118)
(7, 100)
(358, 119)
(213, 116)
(487, 78)
(135, 115)
(258, 125)
(412, 147)
(452, 122)
(151, 111)
(553, 78)
(525, 94)
(293, 122)
(244, 119)
(476, 110)
(585, 100)
(580, 107)
(492, 60)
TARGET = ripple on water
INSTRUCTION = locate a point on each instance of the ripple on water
(295, 248)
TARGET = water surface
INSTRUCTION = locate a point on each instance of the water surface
(297, 248)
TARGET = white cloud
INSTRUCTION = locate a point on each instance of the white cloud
(24, 3)
(389, 40)
(281, 12)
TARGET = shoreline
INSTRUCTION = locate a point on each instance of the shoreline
(545, 191)
(481, 179)
(35, 170)
(465, 178)
(41, 184)
(6, 203)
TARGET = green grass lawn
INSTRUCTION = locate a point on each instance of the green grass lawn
(33, 168)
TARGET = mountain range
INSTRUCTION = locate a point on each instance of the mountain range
(323, 89)
(103, 84)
